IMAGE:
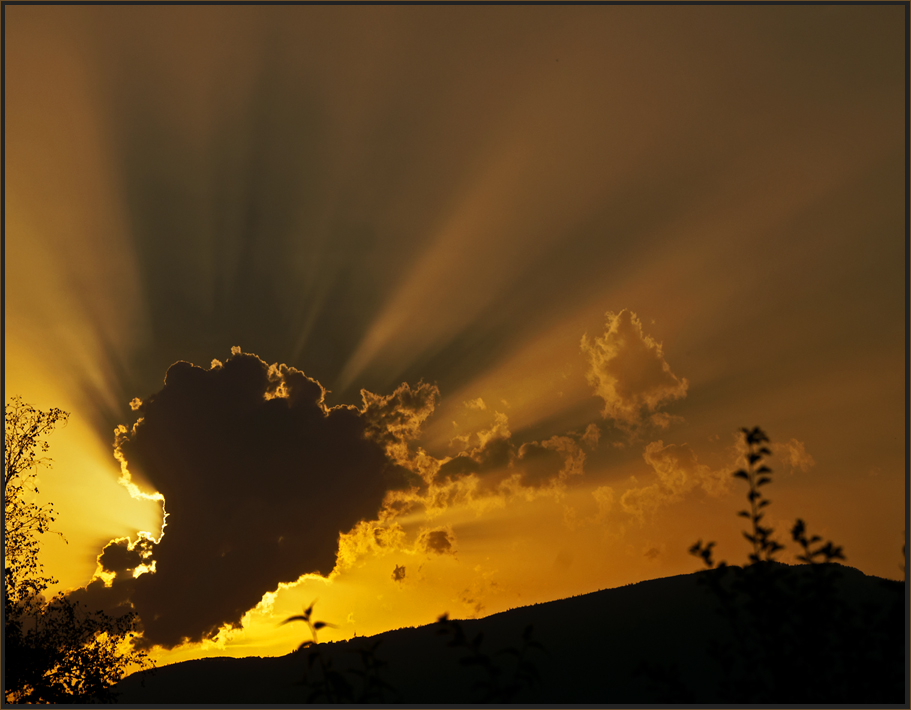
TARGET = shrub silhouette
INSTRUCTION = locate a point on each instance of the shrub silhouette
(797, 639)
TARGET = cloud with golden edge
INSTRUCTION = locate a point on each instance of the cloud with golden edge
(370, 538)
(260, 479)
(492, 470)
(265, 482)
(604, 499)
(395, 421)
(628, 371)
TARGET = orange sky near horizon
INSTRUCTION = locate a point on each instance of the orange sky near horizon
(607, 236)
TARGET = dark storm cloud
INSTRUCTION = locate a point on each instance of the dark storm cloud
(114, 600)
(259, 479)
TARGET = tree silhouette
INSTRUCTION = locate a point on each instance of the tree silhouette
(54, 650)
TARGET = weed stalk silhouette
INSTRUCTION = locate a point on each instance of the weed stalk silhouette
(331, 685)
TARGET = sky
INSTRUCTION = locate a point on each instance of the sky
(422, 309)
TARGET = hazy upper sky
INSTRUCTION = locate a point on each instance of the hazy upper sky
(592, 241)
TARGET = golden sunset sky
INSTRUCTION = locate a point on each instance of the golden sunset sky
(478, 299)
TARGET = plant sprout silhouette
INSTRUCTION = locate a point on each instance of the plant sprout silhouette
(314, 626)
(332, 685)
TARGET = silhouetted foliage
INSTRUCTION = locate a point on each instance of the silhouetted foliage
(796, 638)
(25, 429)
(54, 651)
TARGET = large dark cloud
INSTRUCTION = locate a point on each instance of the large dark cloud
(259, 479)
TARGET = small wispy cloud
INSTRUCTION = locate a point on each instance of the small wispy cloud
(628, 372)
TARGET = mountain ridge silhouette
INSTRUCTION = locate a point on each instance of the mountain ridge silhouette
(646, 642)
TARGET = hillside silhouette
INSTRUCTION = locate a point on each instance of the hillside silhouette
(652, 642)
